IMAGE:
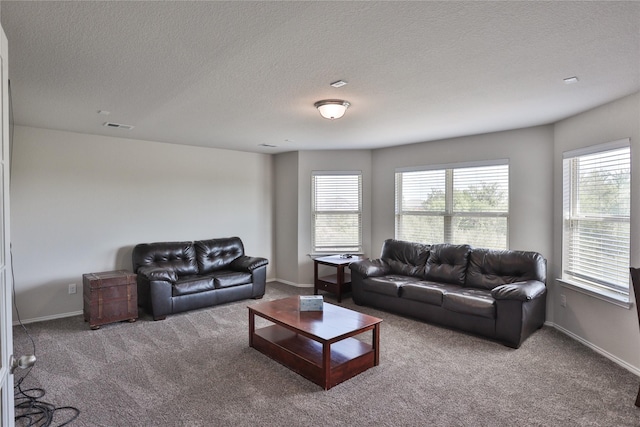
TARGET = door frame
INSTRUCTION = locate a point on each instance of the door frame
(7, 414)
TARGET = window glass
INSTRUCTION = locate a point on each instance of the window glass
(458, 205)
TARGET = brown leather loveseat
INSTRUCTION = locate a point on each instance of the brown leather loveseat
(499, 294)
(179, 276)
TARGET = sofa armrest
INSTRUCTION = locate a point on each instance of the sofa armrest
(521, 291)
(370, 268)
(158, 274)
(248, 263)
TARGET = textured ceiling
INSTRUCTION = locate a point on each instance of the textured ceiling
(238, 74)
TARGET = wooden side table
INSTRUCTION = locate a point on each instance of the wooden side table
(337, 283)
(109, 296)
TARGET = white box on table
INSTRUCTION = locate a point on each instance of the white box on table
(311, 302)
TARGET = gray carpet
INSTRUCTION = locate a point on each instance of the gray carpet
(196, 369)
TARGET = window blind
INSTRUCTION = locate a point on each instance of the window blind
(596, 218)
(337, 212)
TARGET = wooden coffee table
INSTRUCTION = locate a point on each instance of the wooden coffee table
(316, 344)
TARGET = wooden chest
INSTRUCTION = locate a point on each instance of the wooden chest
(109, 296)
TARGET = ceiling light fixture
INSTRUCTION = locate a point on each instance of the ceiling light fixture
(332, 108)
(570, 80)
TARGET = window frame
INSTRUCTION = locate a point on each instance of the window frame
(356, 247)
(449, 214)
(584, 283)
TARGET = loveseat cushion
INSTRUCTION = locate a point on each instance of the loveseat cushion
(447, 263)
(192, 285)
(248, 263)
(228, 278)
(428, 292)
(217, 254)
(490, 268)
(387, 285)
(405, 258)
(177, 256)
(158, 273)
(476, 302)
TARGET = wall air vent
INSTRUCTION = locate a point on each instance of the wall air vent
(117, 125)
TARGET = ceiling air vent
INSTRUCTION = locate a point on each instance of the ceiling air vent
(117, 125)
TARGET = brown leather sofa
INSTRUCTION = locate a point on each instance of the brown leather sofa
(499, 294)
(178, 276)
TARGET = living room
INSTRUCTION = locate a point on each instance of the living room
(80, 201)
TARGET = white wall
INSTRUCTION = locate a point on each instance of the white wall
(286, 216)
(610, 329)
(530, 178)
(81, 202)
(298, 268)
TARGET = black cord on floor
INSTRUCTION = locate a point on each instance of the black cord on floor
(29, 407)
(32, 410)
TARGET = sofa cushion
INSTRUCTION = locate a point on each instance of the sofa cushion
(428, 292)
(177, 256)
(476, 302)
(216, 254)
(490, 268)
(447, 263)
(227, 278)
(387, 285)
(191, 285)
(405, 258)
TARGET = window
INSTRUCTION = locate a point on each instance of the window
(596, 213)
(337, 212)
(457, 204)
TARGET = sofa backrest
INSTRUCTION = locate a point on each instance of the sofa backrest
(405, 258)
(177, 256)
(490, 268)
(216, 254)
(447, 263)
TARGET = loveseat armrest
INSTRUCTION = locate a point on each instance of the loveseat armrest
(370, 267)
(248, 263)
(520, 291)
(158, 274)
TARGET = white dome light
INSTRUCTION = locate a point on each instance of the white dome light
(332, 108)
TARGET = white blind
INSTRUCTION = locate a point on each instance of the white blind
(596, 223)
(337, 212)
(456, 205)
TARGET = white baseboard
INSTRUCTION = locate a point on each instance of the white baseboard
(613, 358)
(44, 318)
(297, 285)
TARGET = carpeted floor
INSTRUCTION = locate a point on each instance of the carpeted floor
(196, 369)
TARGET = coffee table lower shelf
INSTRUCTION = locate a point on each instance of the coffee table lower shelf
(347, 358)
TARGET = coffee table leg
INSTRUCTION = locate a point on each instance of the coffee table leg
(326, 364)
(252, 327)
(340, 281)
(376, 345)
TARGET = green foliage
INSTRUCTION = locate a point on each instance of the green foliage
(604, 193)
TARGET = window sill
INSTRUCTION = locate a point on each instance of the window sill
(601, 294)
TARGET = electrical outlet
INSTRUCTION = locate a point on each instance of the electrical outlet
(72, 288)
(563, 300)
